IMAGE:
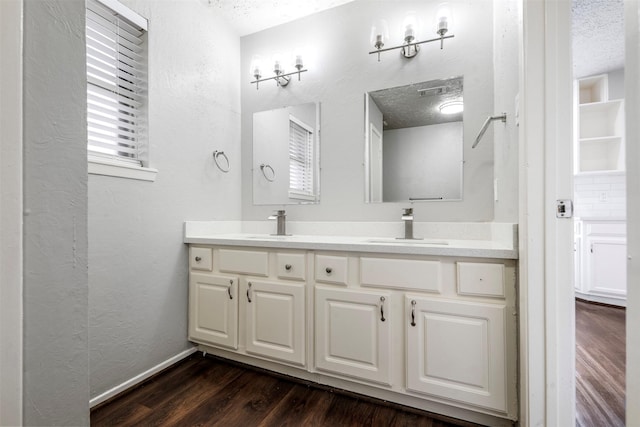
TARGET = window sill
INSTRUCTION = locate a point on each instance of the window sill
(107, 167)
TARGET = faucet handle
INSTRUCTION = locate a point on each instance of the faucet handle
(407, 214)
(277, 214)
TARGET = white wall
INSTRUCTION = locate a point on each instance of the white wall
(616, 84)
(137, 261)
(11, 310)
(56, 389)
(423, 161)
(506, 85)
(343, 72)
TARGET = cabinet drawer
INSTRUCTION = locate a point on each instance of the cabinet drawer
(331, 269)
(246, 262)
(419, 275)
(291, 266)
(481, 279)
(200, 259)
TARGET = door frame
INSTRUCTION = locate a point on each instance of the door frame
(547, 323)
(11, 366)
(632, 152)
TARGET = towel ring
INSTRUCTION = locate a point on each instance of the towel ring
(217, 154)
(273, 173)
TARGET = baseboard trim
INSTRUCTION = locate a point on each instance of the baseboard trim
(140, 378)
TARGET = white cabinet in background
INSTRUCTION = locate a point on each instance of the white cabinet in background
(457, 350)
(275, 317)
(352, 333)
(603, 262)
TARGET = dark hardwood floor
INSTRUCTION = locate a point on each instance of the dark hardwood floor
(208, 391)
(600, 365)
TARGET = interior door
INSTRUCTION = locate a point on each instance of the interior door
(375, 164)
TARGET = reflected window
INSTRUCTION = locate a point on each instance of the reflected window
(300, 160)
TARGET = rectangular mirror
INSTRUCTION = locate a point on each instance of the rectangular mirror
(414, 142)
(286, 147)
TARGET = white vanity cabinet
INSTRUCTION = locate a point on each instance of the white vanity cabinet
(433, 332)
(213, 309)
(275, 320)
(457, 350)
(250, 301)
(353, 333)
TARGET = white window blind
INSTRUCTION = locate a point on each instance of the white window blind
(116, 82)
(301, 185)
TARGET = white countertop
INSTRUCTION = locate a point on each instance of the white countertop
(504, 247)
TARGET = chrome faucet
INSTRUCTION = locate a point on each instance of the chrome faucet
(280, 216)
(407, 217)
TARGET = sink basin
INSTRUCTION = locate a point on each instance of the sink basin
(408, 241)
(269, 237)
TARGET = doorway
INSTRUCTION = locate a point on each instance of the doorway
(600, 211)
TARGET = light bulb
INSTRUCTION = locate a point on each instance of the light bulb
(379, 33)
(410, 26)
(256, 67)
(443, 19)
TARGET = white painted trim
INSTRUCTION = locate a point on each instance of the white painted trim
(123, 10)
(531, 217)
(139, 378)
(546, 291)
(103, 166)
(11, 293)
(632, 111)
(558, 251)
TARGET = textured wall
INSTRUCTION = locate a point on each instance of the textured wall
(137, 262)
(506, 85)
(56, 390)
(341, 72)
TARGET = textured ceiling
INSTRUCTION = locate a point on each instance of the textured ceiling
(598, 36)
(251, 16)
(418, 104)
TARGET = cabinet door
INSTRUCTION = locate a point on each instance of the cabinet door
(456, 350)
(352, 333)
(276, 320)
(607, 268)
(213, 309)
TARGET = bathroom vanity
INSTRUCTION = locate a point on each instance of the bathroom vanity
(429, 323)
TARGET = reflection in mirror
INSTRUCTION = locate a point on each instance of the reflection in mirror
(414, 142)
(286, 165)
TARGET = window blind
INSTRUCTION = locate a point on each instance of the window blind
(300, 160)
(116, 84)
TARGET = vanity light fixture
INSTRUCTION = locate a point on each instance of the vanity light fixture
(451, 107)
(411, 47)
(281, 77)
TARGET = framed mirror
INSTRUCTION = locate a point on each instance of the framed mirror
(286, 163)
(414, 142)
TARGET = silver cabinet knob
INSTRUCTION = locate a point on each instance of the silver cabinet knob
(328, 270)
(198, 259)
(287, 267)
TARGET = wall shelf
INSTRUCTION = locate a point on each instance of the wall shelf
(599, 128)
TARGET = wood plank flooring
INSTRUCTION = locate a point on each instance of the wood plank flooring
(207, 391)
(600, 365)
